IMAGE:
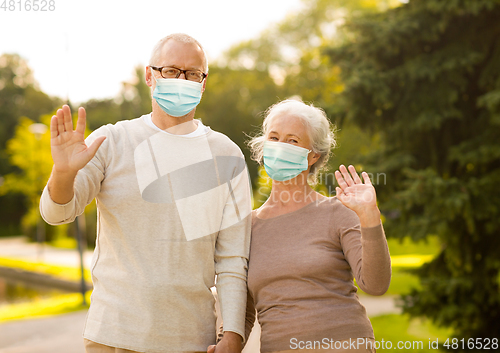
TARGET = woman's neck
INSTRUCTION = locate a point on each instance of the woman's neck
(291, 193)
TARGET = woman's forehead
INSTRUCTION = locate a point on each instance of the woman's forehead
(287, 122)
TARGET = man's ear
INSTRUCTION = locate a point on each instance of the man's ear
(148, 76)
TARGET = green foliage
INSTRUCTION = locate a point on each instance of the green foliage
(30, 154)
(133, 101)
(19, 96)
(425, 77)
(233, 102)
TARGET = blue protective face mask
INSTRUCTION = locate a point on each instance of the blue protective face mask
(284, 161)
(177, 97)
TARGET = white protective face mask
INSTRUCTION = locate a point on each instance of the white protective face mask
(284, 161)
(177, 97)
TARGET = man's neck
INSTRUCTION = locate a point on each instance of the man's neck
(175, 125)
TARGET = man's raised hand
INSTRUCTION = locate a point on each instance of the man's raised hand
(69, 151)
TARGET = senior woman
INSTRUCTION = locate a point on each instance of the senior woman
(307, 248)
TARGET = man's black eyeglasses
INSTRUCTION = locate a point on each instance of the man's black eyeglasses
(173, 72)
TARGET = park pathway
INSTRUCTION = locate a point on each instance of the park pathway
(63, 333)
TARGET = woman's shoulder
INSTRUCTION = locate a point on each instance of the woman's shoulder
(339, 211)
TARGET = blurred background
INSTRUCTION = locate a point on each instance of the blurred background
(412, 86)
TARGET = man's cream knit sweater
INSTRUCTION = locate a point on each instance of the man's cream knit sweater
(173, 213)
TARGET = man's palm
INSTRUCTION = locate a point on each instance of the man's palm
(69, 151)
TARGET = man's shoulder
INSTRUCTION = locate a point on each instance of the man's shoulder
(122, 124)
(118, 127)
(221, 142)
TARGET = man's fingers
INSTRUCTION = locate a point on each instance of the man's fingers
(53, 127)
(82, 118)
(95, 145)
(68, 122)
(211, 348)
(60, 121)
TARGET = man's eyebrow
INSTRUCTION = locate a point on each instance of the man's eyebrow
(176, 67)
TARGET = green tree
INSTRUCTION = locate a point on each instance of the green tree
(291, 52)
(19, 96)
(30, 154)
(426, 77)
(133, 101)
(234, 101)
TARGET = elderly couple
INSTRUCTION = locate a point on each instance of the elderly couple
(175, 219)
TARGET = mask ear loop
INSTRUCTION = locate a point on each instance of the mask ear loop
(152, 74)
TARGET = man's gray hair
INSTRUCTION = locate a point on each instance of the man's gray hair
(180, 37)
(321, 132)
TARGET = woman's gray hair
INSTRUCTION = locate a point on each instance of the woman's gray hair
(180, 37)
(321, 132)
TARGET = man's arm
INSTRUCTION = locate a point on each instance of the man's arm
(70, 154)
(231, 257)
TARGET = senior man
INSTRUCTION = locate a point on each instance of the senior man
(173, 202)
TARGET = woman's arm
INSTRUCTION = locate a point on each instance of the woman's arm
(366, 251)
(362, 237)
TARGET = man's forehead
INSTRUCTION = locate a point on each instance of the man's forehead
(175, 53)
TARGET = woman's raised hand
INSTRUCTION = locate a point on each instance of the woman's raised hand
(359, 197)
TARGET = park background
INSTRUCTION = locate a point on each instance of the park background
(413, 88)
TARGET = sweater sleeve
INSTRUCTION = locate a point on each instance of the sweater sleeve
(250, 315)
(86, 187)
(231, 254)
(249, 320)
(367, 253)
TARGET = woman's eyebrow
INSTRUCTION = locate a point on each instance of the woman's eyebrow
(288, 135)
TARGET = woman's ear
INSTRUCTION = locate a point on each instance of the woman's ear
(313, 158)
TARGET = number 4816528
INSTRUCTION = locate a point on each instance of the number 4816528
(471, 343)
(28, 5)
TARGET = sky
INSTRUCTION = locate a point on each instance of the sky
(84, 49)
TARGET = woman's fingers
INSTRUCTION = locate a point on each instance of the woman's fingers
(340, 180)
(354, 174)
(346, 175)
(366, 178)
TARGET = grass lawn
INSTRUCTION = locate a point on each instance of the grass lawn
(64, 272)
(391, 330)
(430, 246)
(58, 304)
(405, 255)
